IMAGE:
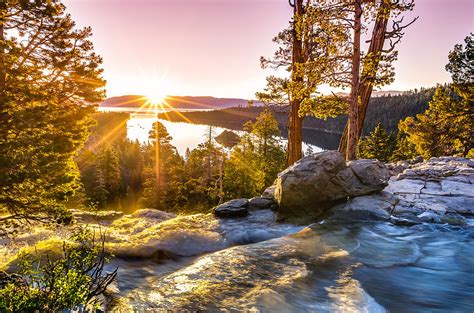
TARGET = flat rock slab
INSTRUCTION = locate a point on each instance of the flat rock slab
(232, 208)
(440, 190)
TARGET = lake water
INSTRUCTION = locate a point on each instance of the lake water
(185, 135)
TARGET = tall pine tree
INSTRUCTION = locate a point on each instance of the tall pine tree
(49, 76)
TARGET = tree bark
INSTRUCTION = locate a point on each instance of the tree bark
(157, 167)
(295, 136)
(352, 139)
(366, 87)
(3, 13)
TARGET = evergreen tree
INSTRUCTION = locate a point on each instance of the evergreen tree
(163, 170)
(48, 76)
(378, 145)
(404, 149)
(255, 162)
(461, 64)
(107, 165)
(446, 128)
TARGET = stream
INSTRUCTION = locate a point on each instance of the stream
(260, 265)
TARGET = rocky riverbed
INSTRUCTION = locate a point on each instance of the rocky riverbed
(371, 238)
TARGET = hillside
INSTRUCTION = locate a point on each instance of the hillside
(182, 102)
(387, 110)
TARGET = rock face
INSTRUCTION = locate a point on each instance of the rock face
(305, 191)
(440, 190)
(232, 208)
(262, 203)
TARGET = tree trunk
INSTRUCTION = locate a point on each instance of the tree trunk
(3, 11)
(157, 168)
(295, 136)
(352, 139)
(366, 87)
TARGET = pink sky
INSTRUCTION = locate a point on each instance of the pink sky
(212, 47)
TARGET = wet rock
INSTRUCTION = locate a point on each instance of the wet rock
(153, 214)
(103, 217)
(429, 217)
(261, 203)
(305, 191)
(376, 206)
(403, 221)
(232, 208)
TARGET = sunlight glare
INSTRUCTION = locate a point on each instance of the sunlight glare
(156, 96)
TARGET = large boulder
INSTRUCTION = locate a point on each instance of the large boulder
(305, 191)
(232, 208)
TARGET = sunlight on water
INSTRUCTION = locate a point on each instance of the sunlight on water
(184, 135)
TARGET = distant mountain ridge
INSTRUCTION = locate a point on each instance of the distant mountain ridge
(182, 102)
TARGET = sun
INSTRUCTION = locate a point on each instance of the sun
(156, 96)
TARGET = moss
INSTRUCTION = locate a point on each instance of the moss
(50, 248)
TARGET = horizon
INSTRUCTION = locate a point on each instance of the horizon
(142, 56)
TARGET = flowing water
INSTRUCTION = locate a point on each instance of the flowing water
(327, 267)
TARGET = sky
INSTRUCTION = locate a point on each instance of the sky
(213, 47)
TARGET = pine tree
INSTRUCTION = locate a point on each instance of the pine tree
(163, 170)
(404, 149)
(378, 145)
(446, 128)
(107, 163)
(48, 75)
(255, 162)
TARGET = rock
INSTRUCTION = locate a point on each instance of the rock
(232, 208)
(437, 191)
(261, 203)
(376, 206)
(429, 217)
(269, 193)
(90, 217)
(305, 191)
(438, 187)
(153, 214)
(403, 221)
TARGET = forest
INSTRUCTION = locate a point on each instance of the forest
(387, 110)
(120, 173)
(61, 158)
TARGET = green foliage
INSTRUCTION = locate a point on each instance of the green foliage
(404, 149)
(47, 284)
(446, 128)
(461, 65)
(111, 166)
(163, 166)
(50, 75)
(254, 163)
(325, 45)
(378, 145)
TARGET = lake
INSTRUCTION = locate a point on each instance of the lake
(185, 135)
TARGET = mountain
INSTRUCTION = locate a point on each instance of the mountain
(182, 102)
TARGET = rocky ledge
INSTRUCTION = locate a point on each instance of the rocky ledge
(407, 193)
(440, 190)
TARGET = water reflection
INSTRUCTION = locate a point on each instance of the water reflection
(186, 135)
